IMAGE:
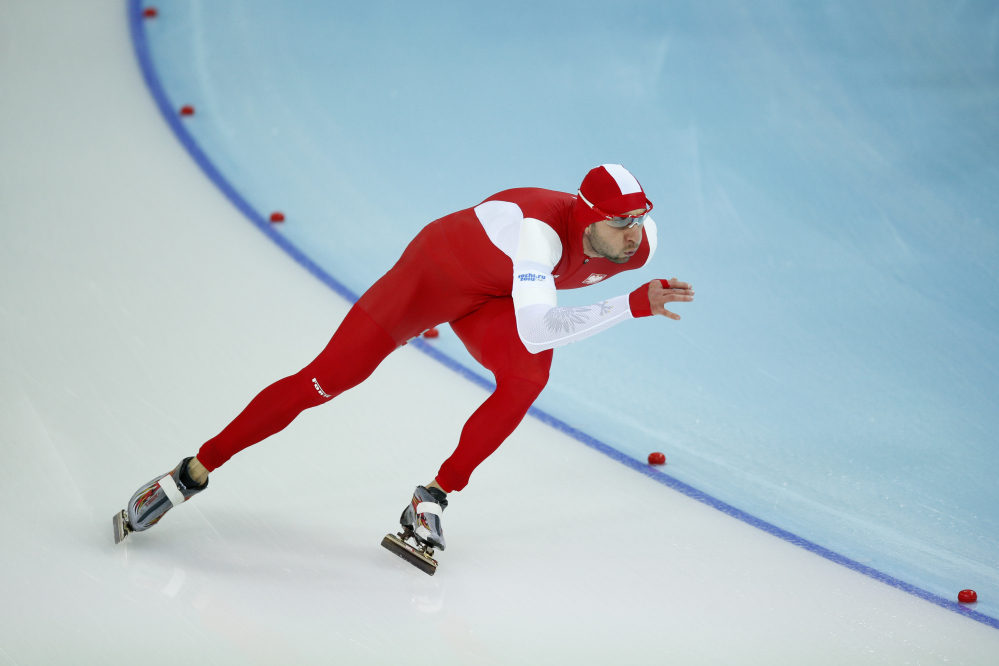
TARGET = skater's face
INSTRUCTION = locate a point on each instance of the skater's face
(602, 240)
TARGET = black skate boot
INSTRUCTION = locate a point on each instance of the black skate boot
(421, 524)
(153, 500)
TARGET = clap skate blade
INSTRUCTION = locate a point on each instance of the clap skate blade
(418, 556)
(119, 522)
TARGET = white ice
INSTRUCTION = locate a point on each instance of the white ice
(140, 312)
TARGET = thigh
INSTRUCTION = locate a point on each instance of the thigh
(490, 336)
(424, 288)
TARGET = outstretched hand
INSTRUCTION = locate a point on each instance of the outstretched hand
(660, 294)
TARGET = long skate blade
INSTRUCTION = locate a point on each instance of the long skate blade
(421, 561)
(119, 522)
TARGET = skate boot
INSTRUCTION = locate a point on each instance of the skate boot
(153, 500)
(423, 516)
(421, 524)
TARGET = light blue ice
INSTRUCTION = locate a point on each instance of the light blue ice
(825, 174)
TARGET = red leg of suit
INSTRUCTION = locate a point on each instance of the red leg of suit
(425, 288)
(490, 335)
(420, 291)
(355, 350)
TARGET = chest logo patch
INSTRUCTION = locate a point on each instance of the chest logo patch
(594, 278)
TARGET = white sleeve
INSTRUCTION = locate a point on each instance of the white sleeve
(541, 324)
(544, 327)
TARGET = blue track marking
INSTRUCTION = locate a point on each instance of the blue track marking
(169, 112)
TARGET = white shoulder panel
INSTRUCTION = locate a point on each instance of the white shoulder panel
(501, 220)
(538, 243)
(650, 233)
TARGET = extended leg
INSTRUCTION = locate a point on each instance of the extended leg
(355, 350)
(422, 290)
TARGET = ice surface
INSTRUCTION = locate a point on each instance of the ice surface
(139, 311)
(824, 174)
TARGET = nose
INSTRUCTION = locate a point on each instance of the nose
(633, 236)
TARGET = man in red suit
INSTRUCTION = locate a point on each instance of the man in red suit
(492, 272)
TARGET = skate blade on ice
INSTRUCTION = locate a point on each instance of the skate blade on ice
(119, 522)
(415, 556)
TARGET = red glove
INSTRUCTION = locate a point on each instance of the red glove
(638, 300)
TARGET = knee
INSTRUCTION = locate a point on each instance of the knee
(313, 384)
(526, 389)
(530, 369)
(536, 377)
(320, 390)
(351, 355)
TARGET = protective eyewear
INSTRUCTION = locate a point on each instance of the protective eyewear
(621, 221)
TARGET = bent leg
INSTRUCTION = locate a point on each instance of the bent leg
(353, 353)
(490, 334)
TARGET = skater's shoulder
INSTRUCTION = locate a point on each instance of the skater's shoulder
(552, 207)
(532, 196)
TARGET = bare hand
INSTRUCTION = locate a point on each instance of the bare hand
(659, 295)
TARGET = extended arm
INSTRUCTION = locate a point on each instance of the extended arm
(543, 325)
(540, 322)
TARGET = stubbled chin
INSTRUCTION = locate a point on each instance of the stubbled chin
(623, 259)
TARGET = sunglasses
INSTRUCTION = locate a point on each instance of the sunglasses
(621, 221)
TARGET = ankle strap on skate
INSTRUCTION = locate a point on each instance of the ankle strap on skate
(428, 507)
(173, 493)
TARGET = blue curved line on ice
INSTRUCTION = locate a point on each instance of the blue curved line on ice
(169, 112)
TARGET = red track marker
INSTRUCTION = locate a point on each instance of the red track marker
(431, 333)
(967, 596)
(187, 110)
(657, 459)
(150, 12)
(277, 216)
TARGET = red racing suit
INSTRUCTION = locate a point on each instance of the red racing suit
(462, 269)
